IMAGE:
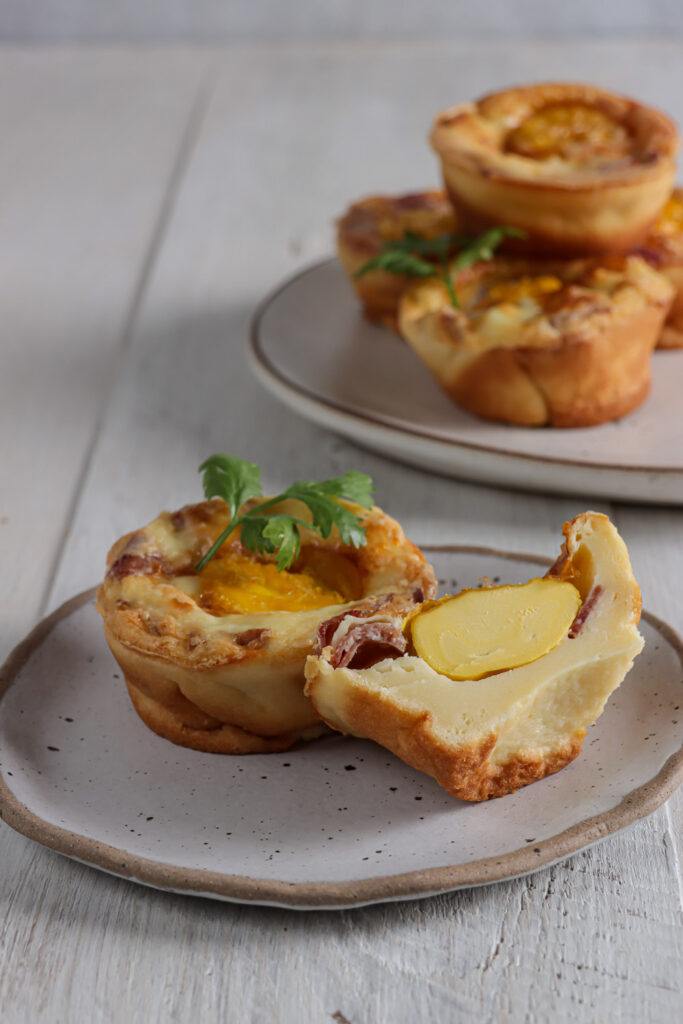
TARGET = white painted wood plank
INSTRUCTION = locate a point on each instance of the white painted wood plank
(90, 141)
(575, 942)
(658, 563)
(288, 139)
(213, 20)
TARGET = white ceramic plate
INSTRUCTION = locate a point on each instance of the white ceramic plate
(336, 823)
(312, 348)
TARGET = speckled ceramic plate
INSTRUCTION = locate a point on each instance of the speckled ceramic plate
(313, 350)
(337, 823)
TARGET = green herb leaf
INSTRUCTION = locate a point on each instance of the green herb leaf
(438, 248)
(352, 486)
(231, 478)
(395, 261)
(273, 533)
(283, 533)
(277, 532)
(411, 255)
(326, 513)
(483, 247)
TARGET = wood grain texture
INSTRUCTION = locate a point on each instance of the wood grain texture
(289, 136)
(90, 144)
(137, 21)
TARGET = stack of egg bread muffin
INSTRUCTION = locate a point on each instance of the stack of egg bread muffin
(536, 287)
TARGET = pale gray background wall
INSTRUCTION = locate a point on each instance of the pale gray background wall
(231, 20)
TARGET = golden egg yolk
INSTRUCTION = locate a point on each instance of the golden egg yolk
(479, 632)
(236, 583)
(670, 220)
(570, 131)
(520, 288)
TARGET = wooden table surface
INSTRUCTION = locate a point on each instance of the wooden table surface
(148, 198)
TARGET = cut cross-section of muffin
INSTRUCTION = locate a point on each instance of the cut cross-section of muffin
(483, 736)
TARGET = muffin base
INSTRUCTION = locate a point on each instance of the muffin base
(214, 737)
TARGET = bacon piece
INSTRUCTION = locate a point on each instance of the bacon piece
(584, 611)
(139, 565)
(179, 519)
(251, 638)
(417, 201)
(650, 254)
(561, 568)
(367, 643)
(328, 628)
(194, 640)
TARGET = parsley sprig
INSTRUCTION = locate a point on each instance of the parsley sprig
(416, 256)
(236, 481)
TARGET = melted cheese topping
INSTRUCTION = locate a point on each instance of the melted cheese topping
(571, 131)
(522, 288)
(670, 220)
(235, 583)
(502, 308)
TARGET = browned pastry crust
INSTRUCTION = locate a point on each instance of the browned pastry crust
(234, 683)
(377, 219)
(581, 170)
(663, 248)
(465, 771)
(573, 356)
(210, 735)
(488, 737)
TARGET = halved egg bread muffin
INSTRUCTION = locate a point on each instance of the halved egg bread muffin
(581, 170)
(500, 683)
(369, 224)
(213, 655)
(563, 344)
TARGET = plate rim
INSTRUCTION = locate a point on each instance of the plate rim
(269, 370)
(635, 805)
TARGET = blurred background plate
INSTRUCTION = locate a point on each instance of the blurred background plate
(314, 351)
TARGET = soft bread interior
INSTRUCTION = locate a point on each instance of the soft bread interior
(486, 737)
